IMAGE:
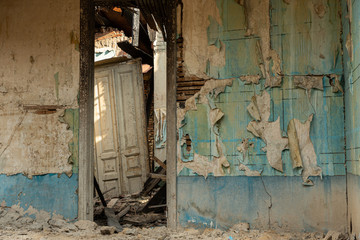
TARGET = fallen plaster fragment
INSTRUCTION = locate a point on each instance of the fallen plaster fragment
(211, 87)
(294, 145)
(307, 151)
(3, 90)
(270, 133)
(255, 79)
(336, 86)
(259, 107)
(257, 14)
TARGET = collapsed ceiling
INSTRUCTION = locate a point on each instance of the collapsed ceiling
(156, 13)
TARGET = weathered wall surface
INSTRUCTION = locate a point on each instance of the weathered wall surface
(243, 131)
(267, 202)
(351, 36)
(39, 79)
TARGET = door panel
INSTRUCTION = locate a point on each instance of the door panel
(133, 144)
(121, 143)
(105, 133)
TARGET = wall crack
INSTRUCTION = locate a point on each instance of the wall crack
(270, 201)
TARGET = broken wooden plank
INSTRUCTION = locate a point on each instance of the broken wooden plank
(158, 199)
(151, 183)
(136, 27)
(136, 52)
(160, 176)
(123, 212)
(158, 206)
(163, 165)
(42, 107)
(112, 202)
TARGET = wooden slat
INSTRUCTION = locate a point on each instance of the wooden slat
(163, 165)
(160, 176)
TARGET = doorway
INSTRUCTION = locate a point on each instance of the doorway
(86, 102)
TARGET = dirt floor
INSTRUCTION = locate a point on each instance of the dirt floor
(89, 230)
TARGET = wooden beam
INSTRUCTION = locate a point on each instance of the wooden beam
(136, 27)
(86, 108)
(171, 129)
(163, 165)
(160, 176)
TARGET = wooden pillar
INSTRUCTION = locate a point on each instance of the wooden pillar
(171, 130)
(86, 105)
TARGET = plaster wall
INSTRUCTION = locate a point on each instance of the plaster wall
(242, 57)
(39, 81)
(351, 36)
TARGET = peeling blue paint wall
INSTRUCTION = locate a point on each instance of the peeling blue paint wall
(351, 13)
(307, 45)
(52, 193)
(39, 112)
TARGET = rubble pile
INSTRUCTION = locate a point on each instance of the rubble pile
(89, 230)
(132, 210)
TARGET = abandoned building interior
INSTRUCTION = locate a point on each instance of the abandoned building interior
(181, 113)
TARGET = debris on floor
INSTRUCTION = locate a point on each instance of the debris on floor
(144, 209)
(135, 225)
(87, 231)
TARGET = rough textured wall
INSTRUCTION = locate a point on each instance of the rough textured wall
(272, 106)
(351, 36)
(39, 80)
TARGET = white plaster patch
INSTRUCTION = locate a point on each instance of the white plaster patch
(307, 151)
(269, 132)
(259, 107)
(28, 144)
(215, 115)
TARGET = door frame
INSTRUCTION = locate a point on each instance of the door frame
(86, 113)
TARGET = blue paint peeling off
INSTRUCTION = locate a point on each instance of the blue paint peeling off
(52, 193)
(286, 103)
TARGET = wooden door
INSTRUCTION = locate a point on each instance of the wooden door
(120, 128)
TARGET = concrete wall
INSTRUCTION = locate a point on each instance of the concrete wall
(39, 81)
(287, 65)
(351, 36)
